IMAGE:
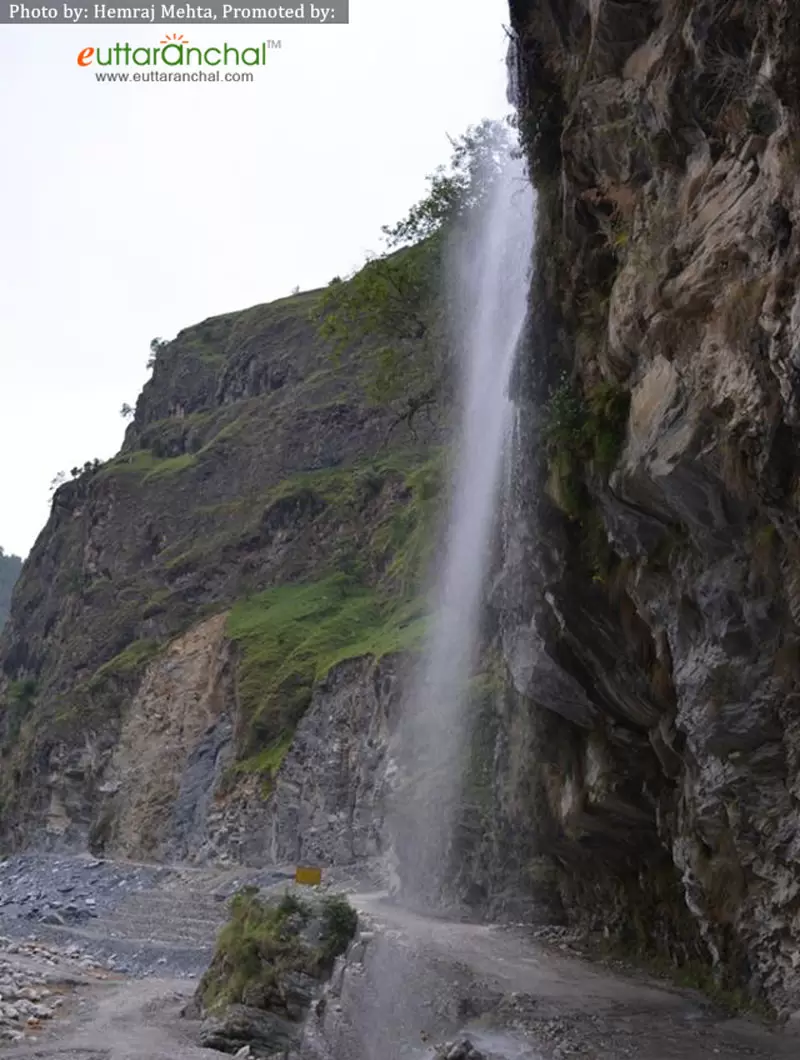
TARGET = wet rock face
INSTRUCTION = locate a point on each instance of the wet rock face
(663, 633)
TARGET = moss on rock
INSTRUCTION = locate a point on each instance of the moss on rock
(265, 942)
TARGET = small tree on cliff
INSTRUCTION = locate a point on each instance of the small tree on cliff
(157, 346)
(394, 301)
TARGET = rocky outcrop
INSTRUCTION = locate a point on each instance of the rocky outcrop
(271, 963)
(183, 673)
(655, 639)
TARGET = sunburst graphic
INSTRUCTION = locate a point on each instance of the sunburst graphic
(174, 38)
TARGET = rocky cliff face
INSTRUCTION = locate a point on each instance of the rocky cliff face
(650, 601)
(189, 602)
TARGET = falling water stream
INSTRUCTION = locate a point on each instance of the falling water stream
(491, 281)
(488, 284)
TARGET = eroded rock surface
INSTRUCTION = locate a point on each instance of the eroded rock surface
(636, 765)
(171, 750)
(329, 800)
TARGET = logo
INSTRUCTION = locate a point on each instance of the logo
(175, 50)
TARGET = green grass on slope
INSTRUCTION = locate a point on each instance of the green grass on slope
(129, 661)
(144, 462)
(263, 945)
(290, 637)
(364, 604)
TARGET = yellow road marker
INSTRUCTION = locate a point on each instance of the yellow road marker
(311, 877)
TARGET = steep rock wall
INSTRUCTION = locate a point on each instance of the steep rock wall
(656, 635)
(329, 800)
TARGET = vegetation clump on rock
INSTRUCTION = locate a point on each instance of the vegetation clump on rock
(281, 468)
(271, 960)
(582, 432)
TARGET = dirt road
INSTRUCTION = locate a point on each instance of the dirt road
(125, 973)
(514, 997)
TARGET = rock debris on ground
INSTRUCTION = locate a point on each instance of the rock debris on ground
(34, 984)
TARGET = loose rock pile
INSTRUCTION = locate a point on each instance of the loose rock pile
(61, 891)
(24, 1003)
(71, 957)
(30, 974)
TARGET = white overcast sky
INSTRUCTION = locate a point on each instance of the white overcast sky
(132, 211)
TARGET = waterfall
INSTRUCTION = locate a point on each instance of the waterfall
(490, 279)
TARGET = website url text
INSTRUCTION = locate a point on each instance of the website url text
(174, 75)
